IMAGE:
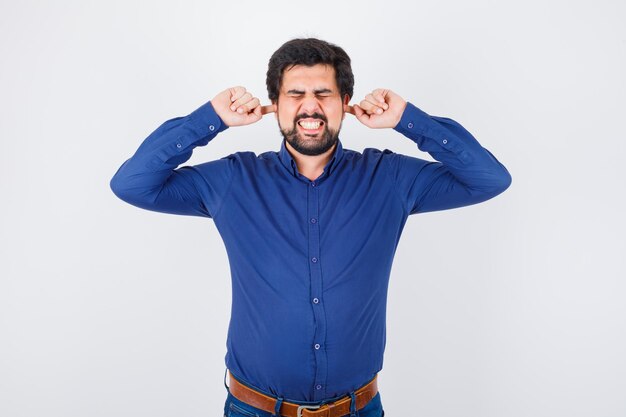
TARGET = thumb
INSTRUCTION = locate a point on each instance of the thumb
(360, 114)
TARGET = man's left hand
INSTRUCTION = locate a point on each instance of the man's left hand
(382, 108)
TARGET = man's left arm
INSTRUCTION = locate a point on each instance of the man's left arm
(464, 172)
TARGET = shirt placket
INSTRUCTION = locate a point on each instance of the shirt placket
(319, 340)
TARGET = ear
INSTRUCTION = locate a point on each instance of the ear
(346, 100)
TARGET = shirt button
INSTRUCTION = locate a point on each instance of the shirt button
(312, 184)
(410, 125)
(315, 300)
(178, 145)
(318, 387)
(313, 259)
(445, 141)
(211, 127)
(313, 220)
(317, 346)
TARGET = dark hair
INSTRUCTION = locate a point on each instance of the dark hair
(309, 51)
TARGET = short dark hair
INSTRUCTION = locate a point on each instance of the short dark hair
(309, 51)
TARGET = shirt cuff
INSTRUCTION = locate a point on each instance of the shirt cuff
(413, 121)
(206, 120)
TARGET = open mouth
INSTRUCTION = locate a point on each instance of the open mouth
(311, 126)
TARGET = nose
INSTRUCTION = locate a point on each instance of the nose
(310, 105)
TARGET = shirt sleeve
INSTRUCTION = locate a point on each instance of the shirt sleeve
(464, 172)
(151, 180)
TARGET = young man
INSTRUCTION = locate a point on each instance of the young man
(310, 230)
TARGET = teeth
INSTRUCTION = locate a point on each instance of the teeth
(310, 125)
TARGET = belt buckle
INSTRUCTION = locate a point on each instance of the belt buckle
(312, 407)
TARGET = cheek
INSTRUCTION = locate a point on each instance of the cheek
(286, 115)
(285, 120)
(334, 116)
(334, 121)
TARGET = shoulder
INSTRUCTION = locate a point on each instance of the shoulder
(249, 160)
(369, 155)
(243, 157)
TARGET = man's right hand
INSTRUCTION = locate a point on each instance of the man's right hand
(237, 107)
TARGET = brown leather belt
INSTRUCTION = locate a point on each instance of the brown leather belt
(337, 408)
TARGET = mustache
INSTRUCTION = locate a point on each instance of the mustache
(311, 116)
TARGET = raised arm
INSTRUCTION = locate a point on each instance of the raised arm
(464, 172)
(149, 179)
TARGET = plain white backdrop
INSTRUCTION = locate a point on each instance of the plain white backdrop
(514, 307)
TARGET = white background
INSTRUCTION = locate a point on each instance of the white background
(513, 307)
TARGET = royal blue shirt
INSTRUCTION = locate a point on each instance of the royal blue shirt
(309, 259)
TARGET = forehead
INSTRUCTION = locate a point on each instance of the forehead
(309, 77)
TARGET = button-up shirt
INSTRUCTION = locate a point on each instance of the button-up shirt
(310, 259)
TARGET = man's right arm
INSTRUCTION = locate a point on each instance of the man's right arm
(149, 179)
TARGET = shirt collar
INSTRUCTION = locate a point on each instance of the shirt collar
(289, 163)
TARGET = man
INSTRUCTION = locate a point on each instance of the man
(310, 230)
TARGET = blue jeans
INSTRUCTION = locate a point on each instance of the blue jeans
(237, 408)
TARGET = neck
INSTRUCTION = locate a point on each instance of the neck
(311, 166)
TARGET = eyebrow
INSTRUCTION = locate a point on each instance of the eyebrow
(316, 91)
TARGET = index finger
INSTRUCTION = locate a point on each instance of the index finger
(267, 109)
(350, 109)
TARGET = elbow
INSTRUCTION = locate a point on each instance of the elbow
(499, 176)
(501, 182)
(117, 186)
(505, 180)
(491, 184)
(128, 188)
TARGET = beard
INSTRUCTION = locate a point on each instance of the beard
(308, 144)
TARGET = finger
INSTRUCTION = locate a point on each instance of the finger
(349, 109)
(380, 94)
(367, 107)
(249, 106)
(360, 114)
(271, 108)
(371, 99)
(246, 97)
(378, 106)
(236, 92)
(258, 112)
(370, 108)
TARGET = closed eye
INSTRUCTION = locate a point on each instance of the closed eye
(318, 95)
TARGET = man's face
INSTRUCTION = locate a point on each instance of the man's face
(310, 109)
